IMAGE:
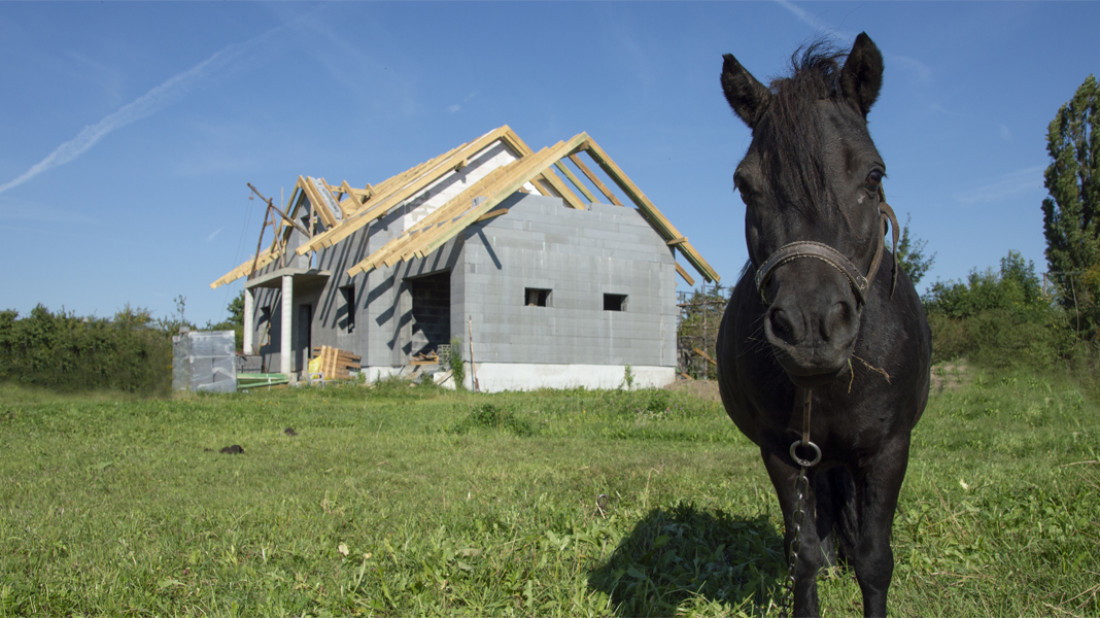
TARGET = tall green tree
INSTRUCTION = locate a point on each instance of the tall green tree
(1071, 215)
(911, 255)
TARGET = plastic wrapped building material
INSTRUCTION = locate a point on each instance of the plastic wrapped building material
(204, 361)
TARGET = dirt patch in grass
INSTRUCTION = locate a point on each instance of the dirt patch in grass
(706, 390)
(950, 376)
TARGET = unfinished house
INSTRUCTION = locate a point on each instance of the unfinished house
(552, 268)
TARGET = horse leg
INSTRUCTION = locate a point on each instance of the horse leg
(833, 493)
(878, 485)
(810, 556)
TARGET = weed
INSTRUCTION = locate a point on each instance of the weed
(489, 416)
(628, 378)
(458, 365)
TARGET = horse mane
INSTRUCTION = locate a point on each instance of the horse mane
(794, 142)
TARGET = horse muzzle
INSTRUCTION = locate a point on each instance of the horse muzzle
(813, 321)
(812, 341)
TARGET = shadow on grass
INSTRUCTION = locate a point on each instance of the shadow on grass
(673, 556)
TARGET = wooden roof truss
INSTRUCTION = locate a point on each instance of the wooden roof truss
(341, 210)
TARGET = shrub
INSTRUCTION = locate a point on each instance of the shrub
(998, 318)
(488, 416)
(66, 353)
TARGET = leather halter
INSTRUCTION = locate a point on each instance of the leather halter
(820, 251)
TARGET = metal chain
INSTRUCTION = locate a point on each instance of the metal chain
(801, 488)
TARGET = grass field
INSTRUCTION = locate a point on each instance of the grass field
(398, 501)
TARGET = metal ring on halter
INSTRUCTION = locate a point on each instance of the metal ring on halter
(805, 463)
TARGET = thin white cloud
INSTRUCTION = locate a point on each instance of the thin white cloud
(454, 108)
(142, 107)
(380, 80)
(921, 73)
(1004, 187)
(212, 235)
(812, 21)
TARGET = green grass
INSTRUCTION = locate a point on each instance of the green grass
(400, 501)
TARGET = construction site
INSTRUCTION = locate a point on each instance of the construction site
(547, 269)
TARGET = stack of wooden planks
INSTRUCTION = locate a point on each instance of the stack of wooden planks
(335, 363)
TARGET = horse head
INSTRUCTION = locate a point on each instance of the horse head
(814, 218)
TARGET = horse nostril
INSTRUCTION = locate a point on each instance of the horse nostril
(781, 326)
(837, 322)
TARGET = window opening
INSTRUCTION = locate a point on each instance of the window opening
(614, 302)
(346, 316)
(264, 326)
(431, 313)
(536, 297)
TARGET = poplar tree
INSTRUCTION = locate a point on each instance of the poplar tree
(1071, 215)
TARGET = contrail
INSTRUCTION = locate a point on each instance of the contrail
(144, 106)
(811, 21)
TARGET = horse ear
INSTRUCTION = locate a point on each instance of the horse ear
(748, 97)
(861, 77)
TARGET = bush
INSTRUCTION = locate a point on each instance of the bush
(66, 353)
(998, 319)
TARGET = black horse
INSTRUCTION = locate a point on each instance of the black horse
(824, 349)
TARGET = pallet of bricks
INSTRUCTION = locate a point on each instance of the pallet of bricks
(333, 363)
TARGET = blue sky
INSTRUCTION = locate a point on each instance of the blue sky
(130, 130)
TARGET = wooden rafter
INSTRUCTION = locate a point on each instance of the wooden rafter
(253, 264)
(389, 193)
(281, 223)
(662, 225)
(443, 214)
(352, 199)
(343, 209)
(562, 190)
(595, 179)
(576, 181)
(462, 210)
(319, 201)
(408, 185)
(503, 188)
(680, 270)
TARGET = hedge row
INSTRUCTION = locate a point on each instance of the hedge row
(129, 353)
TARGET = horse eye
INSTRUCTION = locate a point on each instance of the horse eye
(743, 187)
(874, 179)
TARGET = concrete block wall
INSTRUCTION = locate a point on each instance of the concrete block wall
(579, 256)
